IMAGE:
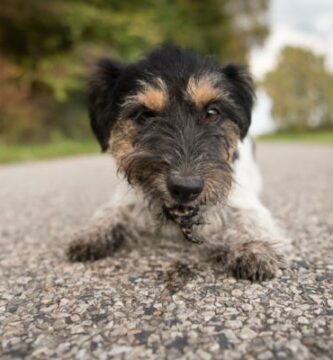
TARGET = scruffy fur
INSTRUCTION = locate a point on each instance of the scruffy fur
(176, 113)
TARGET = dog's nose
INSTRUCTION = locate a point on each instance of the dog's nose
(185, 188)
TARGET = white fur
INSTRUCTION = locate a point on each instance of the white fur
(243, 225)
(244, 211)
(245, 198)
(245, 192)
(247, 177)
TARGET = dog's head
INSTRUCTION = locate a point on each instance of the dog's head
(173, 122)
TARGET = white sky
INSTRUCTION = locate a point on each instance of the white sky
(306, 23)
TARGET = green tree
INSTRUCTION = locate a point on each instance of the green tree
(47, 47)
(301, 89)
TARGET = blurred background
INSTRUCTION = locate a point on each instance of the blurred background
(47, 49)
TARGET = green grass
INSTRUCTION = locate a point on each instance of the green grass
(17, 153)
(316, 137)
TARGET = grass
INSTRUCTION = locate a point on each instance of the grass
(316, 137)
(18, 153)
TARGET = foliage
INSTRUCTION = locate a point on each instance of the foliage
(29, 152)
(301, 90)
(47, 48)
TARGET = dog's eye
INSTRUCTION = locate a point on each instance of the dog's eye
(144, 116)
(212, 114)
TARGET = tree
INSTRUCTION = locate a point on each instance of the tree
(301, 89)
(51, 44)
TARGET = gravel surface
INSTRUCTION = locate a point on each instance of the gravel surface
(161, 301)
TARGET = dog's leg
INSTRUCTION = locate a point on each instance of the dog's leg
(253, 246)
(104, 234)
(256, 246)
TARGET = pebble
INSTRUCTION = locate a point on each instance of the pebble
(119, 350)
(247, 333)
(128, 306)
(267, 355)
(233, 324)
(303, 320)
(237, 293)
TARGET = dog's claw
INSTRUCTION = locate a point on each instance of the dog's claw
(254, 267)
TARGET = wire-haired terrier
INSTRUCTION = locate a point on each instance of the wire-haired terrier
(176, 124)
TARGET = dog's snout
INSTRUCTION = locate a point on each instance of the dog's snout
(185, 188)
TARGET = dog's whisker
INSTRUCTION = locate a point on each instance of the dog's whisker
(174, 124)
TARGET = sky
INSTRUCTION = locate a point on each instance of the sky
(306, 23)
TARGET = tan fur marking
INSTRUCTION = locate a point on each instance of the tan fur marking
(218, 183)
(233, 136)
(153, 96)
(153, 99)
(203, 90)
(217, 186)
(121, 141)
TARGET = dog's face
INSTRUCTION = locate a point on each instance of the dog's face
(173, 122)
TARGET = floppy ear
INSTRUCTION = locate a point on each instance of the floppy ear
(242, 89)
(100, 99)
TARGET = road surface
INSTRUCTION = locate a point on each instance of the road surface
(161, 301)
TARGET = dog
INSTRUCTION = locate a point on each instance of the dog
(177, 126)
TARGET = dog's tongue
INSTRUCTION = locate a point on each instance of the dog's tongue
(186, 218)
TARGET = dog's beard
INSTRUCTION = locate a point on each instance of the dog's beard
(188, 218)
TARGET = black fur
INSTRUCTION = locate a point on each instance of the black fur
(176, 114)
(179, 138)
(101, 99)
(113, 81)
(241, 86)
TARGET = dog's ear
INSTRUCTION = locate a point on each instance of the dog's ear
(101, 99)
(242, 89)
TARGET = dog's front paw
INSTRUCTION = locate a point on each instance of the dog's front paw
(94, 244)
(255, 261)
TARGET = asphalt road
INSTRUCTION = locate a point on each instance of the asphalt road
(161, 301)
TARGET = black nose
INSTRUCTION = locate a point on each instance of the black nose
(184, 188)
